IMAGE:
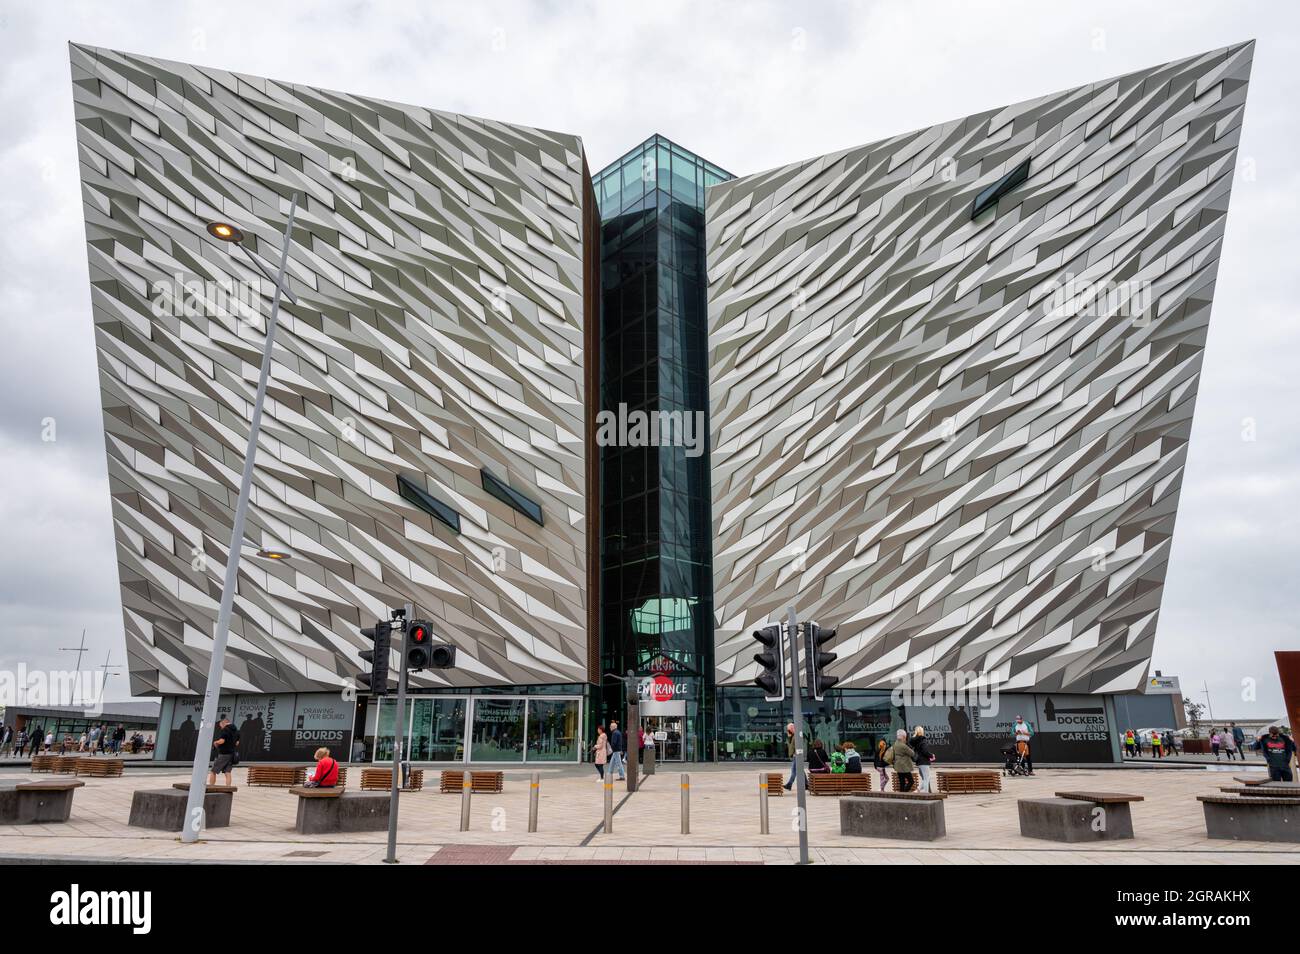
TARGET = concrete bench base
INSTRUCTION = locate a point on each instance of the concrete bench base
(1252, 819)
(163, 809)
(347, 811)
(37, 803)
(1074, 820)
(907, 819)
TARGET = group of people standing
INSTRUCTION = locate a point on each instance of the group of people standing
(1162, 743)
(96, 740)
(906, 755)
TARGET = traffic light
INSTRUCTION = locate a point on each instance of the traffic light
(772, 659)
(377, 679)
(422, 652)
(816, 661)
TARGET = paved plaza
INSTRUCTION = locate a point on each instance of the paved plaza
(724, 823)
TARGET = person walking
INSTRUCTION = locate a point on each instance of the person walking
(902, 757)
(1238, 737)
(1215, 741)
(923, 757)
(617, 745)
(1171, 742)
(1229, 746)
(6, 740)
(1278, 751)
(225, 744)
(1155, 744)
(600, 751)
(789, 751)
(881, 766)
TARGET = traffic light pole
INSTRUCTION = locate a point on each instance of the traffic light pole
(800, 790)
(212, 691)
(399, 724)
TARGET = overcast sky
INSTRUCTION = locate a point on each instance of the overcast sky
(748, 86)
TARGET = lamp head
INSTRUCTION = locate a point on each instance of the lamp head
(226, 232)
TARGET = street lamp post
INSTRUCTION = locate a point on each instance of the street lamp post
(212, 691)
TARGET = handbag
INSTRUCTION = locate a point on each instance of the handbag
(889, 756)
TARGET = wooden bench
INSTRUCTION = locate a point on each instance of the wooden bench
(1251, 818)
(282, 775)
(324, 810)
(65, 765)
(44, 801)
(827, 783)
(99, 768)
(43, 763)
(775, 784)
(909, 816)
(1102, 798)
(480, 782)
(1261, 791)
(968, 781)
(377, 779)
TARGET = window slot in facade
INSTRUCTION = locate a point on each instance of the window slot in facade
(989, 196)
(507, 494)
(414, 494)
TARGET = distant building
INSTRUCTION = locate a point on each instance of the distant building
(134, 716)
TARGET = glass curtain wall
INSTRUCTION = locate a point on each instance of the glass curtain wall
(486, 728)
(656, 536)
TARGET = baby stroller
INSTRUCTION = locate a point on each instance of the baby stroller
(1015, 754)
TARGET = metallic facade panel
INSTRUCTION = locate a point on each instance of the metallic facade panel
(438, 264)
(961, 441)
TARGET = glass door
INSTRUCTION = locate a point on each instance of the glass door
(666, 731)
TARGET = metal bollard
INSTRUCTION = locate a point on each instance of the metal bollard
(686, 804)
(466, 787)
(534, 789)
(609, 805)
(762, 803)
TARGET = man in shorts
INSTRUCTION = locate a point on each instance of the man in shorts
(224, 742)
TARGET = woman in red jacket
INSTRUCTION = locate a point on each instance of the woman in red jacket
(327, 770)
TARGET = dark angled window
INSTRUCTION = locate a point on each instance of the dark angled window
(507, 494)
(989, 196)
(413, 493)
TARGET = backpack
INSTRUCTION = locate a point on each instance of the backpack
(853, 763)
(837, 763)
